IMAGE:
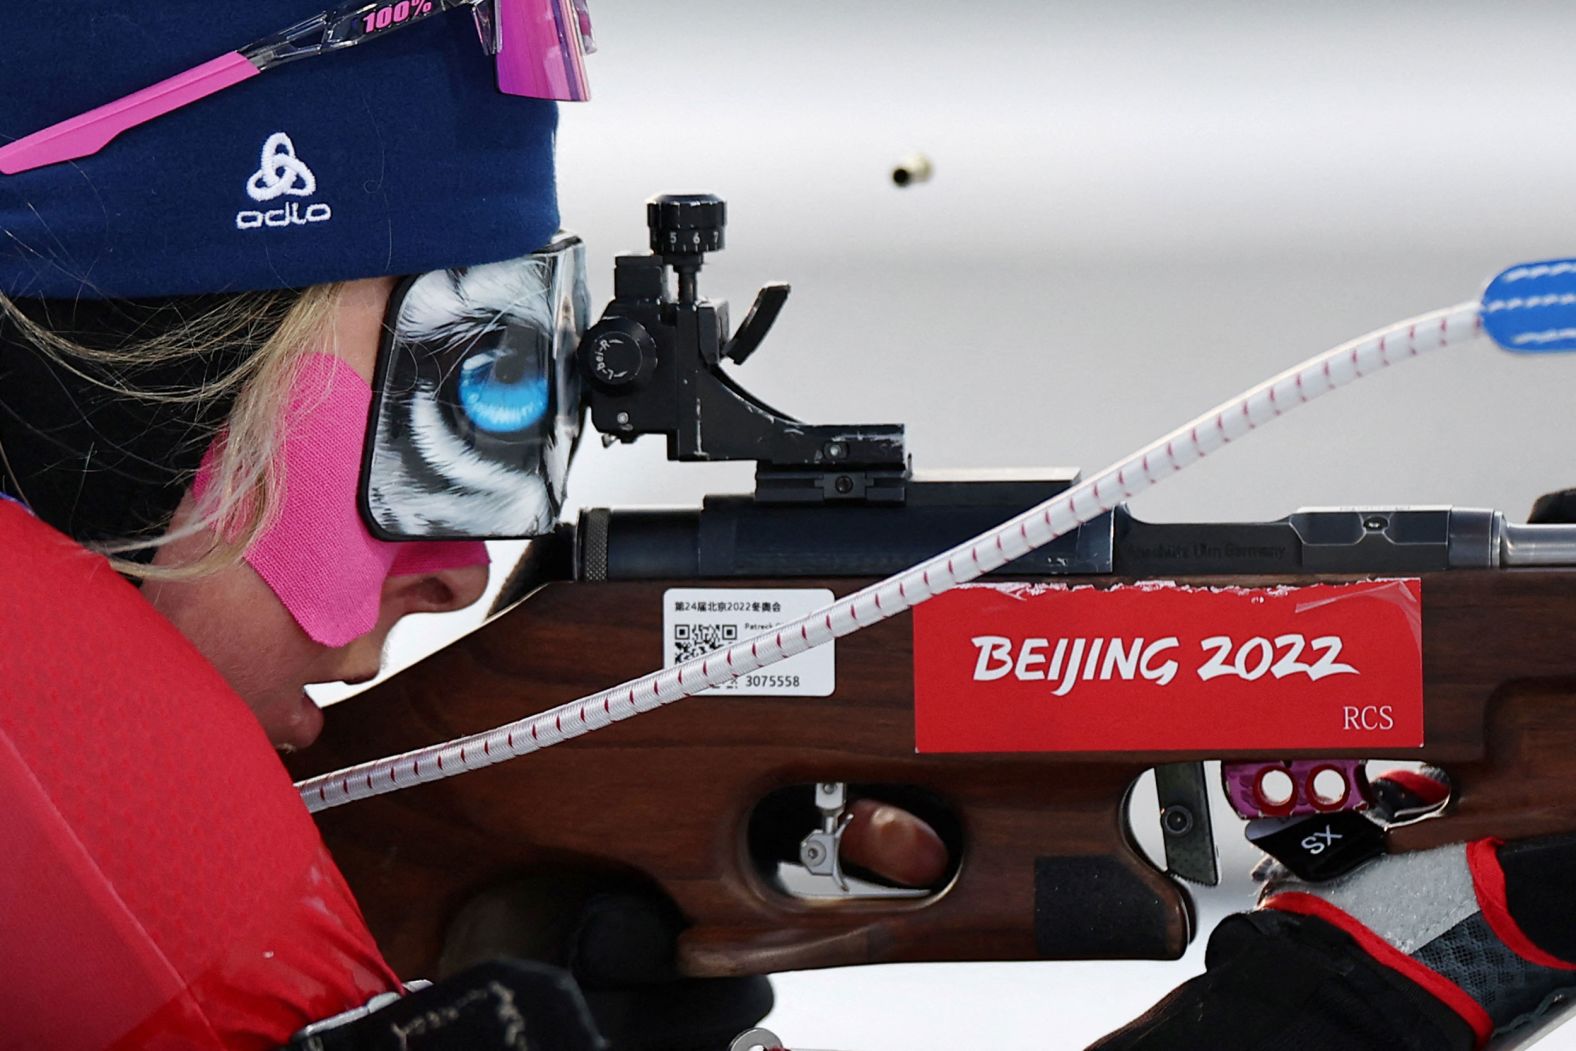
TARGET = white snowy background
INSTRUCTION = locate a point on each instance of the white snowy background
(1137, 210)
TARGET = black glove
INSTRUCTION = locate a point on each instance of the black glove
(1431, 950)
(1281, 982)
(619, 941)
(505, 1004)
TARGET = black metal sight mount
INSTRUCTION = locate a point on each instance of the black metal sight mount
(653, 365)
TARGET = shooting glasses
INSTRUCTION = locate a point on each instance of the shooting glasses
(539, 47)
(477, 402)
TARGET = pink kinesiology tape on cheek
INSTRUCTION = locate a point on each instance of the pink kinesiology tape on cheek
(318, 556)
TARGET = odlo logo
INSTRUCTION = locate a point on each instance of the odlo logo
(281, 174)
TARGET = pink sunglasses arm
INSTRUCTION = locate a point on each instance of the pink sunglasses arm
(85, 135)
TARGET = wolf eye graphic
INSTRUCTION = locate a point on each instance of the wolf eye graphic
(478, 404)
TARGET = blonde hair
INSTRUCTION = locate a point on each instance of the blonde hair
(246, 485)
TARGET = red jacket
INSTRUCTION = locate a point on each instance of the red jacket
(161, 885)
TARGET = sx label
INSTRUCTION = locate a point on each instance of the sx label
(1319, 842)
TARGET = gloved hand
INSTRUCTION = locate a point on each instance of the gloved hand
(505, 1004)
(618, 937)
(1434, 951)
(1443, 919)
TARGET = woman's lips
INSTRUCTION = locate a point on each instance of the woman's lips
(304, 724)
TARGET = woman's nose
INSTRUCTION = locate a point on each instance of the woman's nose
(436, 591)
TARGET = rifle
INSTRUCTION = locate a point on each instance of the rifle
(1042, 865)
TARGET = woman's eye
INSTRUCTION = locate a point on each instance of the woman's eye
(499, 393)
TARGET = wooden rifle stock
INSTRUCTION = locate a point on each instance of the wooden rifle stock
(1048, 867)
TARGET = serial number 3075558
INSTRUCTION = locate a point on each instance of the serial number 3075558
(766, 682)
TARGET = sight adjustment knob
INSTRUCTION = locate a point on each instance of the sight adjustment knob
(618, 355)
(686, 223)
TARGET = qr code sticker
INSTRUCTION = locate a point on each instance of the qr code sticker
(699, 621)
(693, 640)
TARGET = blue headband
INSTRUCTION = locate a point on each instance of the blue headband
(394, 158)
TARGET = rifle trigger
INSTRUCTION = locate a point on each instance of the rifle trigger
(821, 851)
(1185, 823)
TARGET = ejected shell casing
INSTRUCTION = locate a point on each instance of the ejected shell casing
(913, 169)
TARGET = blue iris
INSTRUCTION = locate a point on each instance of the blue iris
(498, 405)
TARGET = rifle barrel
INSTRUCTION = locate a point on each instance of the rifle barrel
(1537, 545)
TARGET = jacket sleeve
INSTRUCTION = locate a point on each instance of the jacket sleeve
(162, 885)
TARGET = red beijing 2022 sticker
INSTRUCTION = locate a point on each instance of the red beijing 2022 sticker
(1162, 667)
